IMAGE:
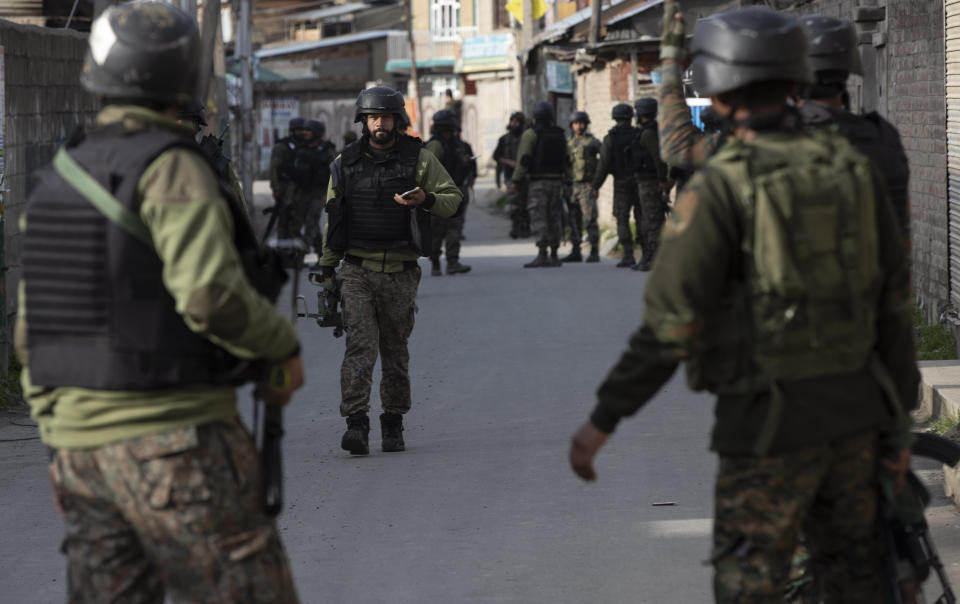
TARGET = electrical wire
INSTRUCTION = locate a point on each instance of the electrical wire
(72, 11)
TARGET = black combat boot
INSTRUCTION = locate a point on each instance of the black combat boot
(627, 261)
(594, 253)
(573, 256)
(357, 437)
(391, 432)
(435, 267)
(554, 259)
(642, 266)
(454, 267)
(540, 260)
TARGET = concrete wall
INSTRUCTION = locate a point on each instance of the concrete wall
(43, 104)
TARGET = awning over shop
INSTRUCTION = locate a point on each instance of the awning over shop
(394, 65)
(486, 53)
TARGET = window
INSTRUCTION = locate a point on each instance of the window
(336, 28)
(445, 19)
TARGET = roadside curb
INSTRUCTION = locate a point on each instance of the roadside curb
(940, 397)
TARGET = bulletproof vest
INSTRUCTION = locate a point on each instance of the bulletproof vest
(454, 160)
(308, 166)
(879, 140)
(644, 164)
(97, 311)
(374, 221)
(622, 138)
(583, 152)
(803, 302)
(550, 153)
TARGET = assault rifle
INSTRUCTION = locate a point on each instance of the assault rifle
(329, 304)
(910, 553)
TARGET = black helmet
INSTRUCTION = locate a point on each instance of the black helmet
(143, 50)
(622, 112)
(645, 107)
(446, 117)
(382, 99)
(519, 116)
(740, 47)
(833, 44)
(193, 110)
(543, 111)
(580, 116)
(297, 123)
(318, 128)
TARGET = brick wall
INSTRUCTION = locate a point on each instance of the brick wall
(916, 105)
(44, 103)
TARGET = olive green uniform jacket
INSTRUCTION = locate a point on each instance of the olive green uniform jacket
(443, 200)
(192, 230)
(699, 255)
(584, 151)
(528, 144)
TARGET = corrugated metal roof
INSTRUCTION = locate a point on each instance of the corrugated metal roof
(561, 27)
(633, 12)
(294, 47)
(21, 8)
(330, 11)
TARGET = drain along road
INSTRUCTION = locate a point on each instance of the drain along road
(482, 506)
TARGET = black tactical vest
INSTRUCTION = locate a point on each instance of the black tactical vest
(308, 166)
(371, 219)
(644, 164)
(454, 159)
(550, 154)
(98, 314)
(622, 138)
(879, 140)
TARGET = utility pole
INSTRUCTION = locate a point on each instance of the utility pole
(527, 32)
(245, 54)
(414, 76)
(594, 37)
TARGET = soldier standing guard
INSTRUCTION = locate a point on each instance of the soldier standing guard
(142, 290)
(615, 159)
(584, 149)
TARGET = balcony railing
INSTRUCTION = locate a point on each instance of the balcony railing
(432, 48)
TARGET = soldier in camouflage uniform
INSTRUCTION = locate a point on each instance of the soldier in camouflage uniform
(379, 235)
(322, 152)
(505, 156)
(583, 148)
(280, 156)
(156, 477)
(615, 159)
(544, 164)
(652, 182)
(307, 169)
(457, 158)
(797, 451)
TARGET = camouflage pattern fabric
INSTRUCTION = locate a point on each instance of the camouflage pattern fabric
(546, 209)
(624, 200)
(174, 512)
(681, 143)
(652, 216)
(446, 232)
(827, 490)
(378, 316)
(584, 198)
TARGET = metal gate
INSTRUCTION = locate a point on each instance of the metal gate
(952, 71)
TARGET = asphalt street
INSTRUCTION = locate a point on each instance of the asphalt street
(482, 507)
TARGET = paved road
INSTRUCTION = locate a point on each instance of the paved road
(482, 506)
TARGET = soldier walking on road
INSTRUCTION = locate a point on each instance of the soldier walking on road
(652, 183)
(781, 321)
(615, 159)
(505, 156)
(384, 189)
(319, 154)
(457, 159)
(584, 149)
(544, 164)
(131, 337)
(280, 156)
(307, 169)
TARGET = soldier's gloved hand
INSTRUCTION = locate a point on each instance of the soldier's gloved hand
(673, 39)
(281, 380)
(586, 442)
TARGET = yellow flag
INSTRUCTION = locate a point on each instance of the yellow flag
(515, 8)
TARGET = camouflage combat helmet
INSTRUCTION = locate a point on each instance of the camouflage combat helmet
(740, 47)
(146, 51)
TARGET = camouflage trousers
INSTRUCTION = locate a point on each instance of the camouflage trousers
(546, 211)
(378, 316)
(652, 217)
(583, 213)
(519, 212)
(624, 200)
(313, 230)
(828, 491)
(177, 511)
(446, 232)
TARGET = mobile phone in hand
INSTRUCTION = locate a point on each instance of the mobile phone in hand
(409, 193)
